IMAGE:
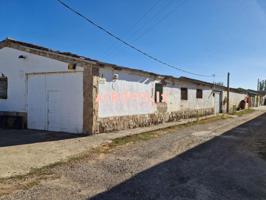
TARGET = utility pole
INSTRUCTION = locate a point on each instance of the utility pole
(228, 91)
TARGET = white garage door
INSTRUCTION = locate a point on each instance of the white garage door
(55, 102)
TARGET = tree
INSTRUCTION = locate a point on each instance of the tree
(262, 85)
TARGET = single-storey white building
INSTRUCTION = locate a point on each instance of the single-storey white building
(57, 91)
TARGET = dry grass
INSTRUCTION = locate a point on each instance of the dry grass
(35, 176)
(244, 112)
(25, 182)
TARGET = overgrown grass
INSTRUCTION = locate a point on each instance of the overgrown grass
(243, 112)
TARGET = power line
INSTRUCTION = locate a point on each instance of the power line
(128, 44)
(163, 6)
(131, 30)
(156, 14)
(145, 14)
(157, 19)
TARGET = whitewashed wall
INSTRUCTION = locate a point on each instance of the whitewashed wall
(234, 99)
(174, 102)
(173, 97)
(207, 100)
(15, 69)
(129, 95)
(112, 102)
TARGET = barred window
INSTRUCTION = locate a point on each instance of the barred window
(199, 94)
(3, 87)
(158, 92)
(184, 94)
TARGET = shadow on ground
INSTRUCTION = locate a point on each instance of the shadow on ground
(225, 167)
(11, 137)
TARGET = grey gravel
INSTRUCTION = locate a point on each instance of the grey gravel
(181, 165)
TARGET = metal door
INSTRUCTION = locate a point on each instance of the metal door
(36, 103)
(217, 102)
(54, 111)
(55, 102)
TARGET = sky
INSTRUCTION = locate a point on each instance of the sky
(205, 37)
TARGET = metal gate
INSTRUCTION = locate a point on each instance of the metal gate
(55, 102)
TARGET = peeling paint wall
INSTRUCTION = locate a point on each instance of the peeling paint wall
(126, 100)
(133, 94)
(234, 100)
(174, 102)
(130, 94)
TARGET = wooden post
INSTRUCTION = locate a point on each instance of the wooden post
(228, 91)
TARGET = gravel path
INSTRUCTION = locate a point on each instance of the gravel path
(195, 162)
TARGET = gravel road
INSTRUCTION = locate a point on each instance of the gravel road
(197, 162)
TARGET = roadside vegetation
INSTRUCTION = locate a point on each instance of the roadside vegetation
(22, 182)
(243, 112)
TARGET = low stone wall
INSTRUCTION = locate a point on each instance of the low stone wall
(109, 124)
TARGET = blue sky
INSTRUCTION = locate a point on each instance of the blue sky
(207, 36)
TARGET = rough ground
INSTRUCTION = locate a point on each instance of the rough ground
(24, 150)
(196, 162)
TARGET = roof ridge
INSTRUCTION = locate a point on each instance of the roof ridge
(84, 58)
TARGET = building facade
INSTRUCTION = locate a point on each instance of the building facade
(49, 90)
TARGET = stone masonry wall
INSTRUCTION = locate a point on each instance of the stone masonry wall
(109, 124)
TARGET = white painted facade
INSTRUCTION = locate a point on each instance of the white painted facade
(173, 97)
(207, 100)
(53, 96)
(71, 89)
(133, 94)
(130, 94)
(234, 98)
(174, 102)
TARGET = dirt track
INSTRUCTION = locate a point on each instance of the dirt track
(195, 162)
